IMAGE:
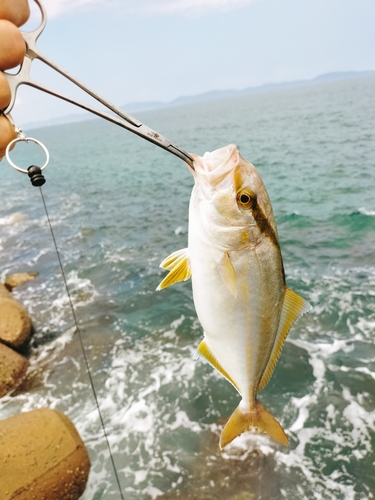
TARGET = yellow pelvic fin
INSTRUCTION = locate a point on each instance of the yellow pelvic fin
(228, 274)
(204, 351)
(259, 418)
(294, 306)
(178, 266)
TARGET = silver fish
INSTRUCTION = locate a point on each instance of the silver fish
(239, 288)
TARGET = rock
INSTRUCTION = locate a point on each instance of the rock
(15, 323)
(18, 279)
(42, 457)
(13, 368)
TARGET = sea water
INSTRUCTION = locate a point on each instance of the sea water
(119, 206)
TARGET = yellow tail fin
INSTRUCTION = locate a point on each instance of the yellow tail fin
(241, 421)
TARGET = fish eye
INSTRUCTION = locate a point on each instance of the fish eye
(246, 198)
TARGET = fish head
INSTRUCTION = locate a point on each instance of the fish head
(230, 200)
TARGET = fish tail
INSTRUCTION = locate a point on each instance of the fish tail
(243, 420)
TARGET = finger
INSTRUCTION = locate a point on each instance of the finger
(4, 92)
(12, 45)
(7, 134)
(15, 11)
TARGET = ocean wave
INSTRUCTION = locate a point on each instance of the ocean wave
(370, 213)
(349, 218)
(161, 407)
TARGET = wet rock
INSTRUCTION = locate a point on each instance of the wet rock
(15, 323)
(13, 368)
(18, 279)
(42, 457)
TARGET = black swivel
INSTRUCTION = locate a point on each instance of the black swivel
(36, 176)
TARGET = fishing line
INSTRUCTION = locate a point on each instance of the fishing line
(37, 180)
(82, 345)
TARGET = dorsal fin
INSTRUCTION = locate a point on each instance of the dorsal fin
(178, 266)
(204, 352)
(294, 306)
(228, 274)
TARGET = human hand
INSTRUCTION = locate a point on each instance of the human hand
(13, 13)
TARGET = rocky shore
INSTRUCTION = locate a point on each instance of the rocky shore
(15, 332)
(42, 456)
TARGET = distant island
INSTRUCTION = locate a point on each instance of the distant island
(222, 94)
(134, 107)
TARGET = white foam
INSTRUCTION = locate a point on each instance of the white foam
(364, 369)
(182, 420)
(364, 211)
(81, 290)
(179, 230)
(178, 322)
(40, 254)
(331, 413)
(361, 421)
(302, 404)
(12, 219)
(153, 492)
(246, 444)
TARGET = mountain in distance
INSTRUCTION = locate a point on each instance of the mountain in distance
(222, 94)
(135, 107)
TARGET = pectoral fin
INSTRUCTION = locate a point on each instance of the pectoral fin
(228, 274)
(204, 352)
(294, 306)
(178, 266)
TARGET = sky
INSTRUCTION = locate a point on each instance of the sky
(146, 50)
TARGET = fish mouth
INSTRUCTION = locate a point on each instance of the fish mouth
(213, 167)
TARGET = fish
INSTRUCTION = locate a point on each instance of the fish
(239, 289)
